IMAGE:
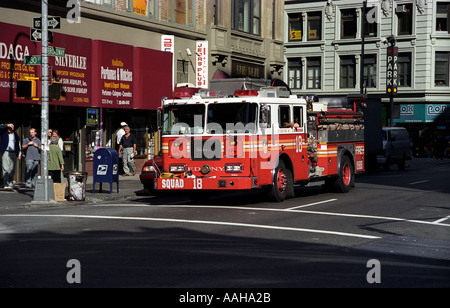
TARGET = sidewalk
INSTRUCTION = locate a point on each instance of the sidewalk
(22, 197)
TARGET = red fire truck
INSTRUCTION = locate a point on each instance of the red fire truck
(257, 139)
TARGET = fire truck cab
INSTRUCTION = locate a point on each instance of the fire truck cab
(257, 139)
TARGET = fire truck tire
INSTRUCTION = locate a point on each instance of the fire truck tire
(282, 186)
(346, 176)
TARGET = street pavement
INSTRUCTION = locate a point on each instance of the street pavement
(129, 187)
(399, 219)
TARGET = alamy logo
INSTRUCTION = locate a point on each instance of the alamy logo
(73, 16)
(373, 11)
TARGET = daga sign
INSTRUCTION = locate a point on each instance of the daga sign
(391, 70)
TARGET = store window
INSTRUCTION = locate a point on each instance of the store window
(404, 19)
(246, 16)
(347, 72)
(442, 17)
(370, 71)
(101, 2)
(348, 23)
(441, 71)
(295, 27)
(295, 73)
(313, 67)
(404, 69)
(141, 7)
(314, 26)
(370, 29)
(182, 11)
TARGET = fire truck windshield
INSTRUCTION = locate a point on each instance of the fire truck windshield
(184, 119)
(231, 118)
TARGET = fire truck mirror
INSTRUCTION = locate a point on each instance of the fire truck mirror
(159, 119)
(265, 116)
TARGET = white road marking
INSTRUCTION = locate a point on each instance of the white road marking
(419, 182)
(311, 204)
(441, 220)
(207, 222)
(279, 210)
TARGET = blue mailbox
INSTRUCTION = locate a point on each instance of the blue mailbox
(106, 168)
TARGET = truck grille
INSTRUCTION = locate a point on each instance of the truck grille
(206, 149)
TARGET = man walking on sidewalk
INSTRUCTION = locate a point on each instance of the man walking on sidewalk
(128, 146)
(31, 146)
(10, 152)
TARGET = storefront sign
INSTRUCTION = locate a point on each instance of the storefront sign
(202, 64)
(92, 73)
(244, 69)
(152, 80)
(91, 117)
(168, 43)
(73, 70)
(15, 45)
(113, 76)
(424, 113)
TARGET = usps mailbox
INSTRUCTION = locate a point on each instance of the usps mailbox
(106, 168)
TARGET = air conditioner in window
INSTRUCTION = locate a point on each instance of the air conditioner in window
(401, 9)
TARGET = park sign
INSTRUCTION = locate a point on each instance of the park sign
(392, 70)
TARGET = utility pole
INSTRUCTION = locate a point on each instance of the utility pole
(45, 184)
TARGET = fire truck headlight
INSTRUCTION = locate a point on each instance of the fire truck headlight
(177, 168)
(233, 168)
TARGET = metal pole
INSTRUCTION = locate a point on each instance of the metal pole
(45, 99)
(363, 30)
(391, 110)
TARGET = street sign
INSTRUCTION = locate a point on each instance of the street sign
(32, 60)
(56, 51)
(53, 23)
(392, 70)
(36, 35)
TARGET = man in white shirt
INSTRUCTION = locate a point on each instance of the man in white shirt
(121, 132)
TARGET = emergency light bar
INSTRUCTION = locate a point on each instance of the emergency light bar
(208, 93)
(246, 93)
(181, 94)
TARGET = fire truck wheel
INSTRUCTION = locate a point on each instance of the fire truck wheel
(346, 176)
(282, 183)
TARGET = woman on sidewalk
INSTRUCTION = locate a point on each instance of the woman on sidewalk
(55, 160)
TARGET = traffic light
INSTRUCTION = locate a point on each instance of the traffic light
(54, 90)
(26, 88)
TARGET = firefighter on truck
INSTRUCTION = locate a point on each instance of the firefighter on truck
(257, 139)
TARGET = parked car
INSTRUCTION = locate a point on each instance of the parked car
(150, 172)
(396, 147)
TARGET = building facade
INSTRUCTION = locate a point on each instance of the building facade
(122, 56)
(323, 55)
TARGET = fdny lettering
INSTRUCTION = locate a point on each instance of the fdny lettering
(172, 183)
(359, 150)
